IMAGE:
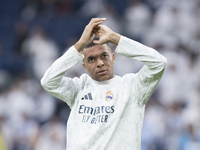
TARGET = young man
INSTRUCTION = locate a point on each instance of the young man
(106, 110)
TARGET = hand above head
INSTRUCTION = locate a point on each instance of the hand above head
(94, 27)
(88, 34)
(106, 35)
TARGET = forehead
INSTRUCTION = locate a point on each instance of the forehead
(96, 50)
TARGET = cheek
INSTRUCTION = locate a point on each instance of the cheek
(91, 69)
(110, 65)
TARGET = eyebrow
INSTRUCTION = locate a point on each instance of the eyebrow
(104, 53)
(96, 56)
(90, 57)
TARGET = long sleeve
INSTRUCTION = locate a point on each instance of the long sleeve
(54, 81)
(146, 80)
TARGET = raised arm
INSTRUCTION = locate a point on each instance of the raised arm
(146, 80)
(54, 81)
(149, 76)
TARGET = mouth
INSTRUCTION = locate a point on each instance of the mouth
(102, 72)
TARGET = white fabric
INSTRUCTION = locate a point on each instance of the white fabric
(99, 124)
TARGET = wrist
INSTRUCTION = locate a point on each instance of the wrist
(79, 46)
(115, 38)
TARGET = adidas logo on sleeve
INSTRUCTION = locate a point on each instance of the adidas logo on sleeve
(87, 97)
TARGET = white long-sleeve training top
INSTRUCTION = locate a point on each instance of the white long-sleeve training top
(106, 115)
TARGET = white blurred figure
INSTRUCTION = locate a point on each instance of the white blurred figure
(41, 50)
(113, 21)
(27, 133)
(190, 138)
(45, 106)
(138, 17)
(175, 20)
(192, 81)
(20, 109)
(165, 25)
(171, 86)
(174, 125)
(92, 8)
(155, 4)
(19, 103)
(192, 95)
(52, 136)
(154, 127)
(188, 20)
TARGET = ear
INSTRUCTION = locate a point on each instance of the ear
(84, 66)
(113, 58)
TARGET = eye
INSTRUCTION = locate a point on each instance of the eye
(104, 55)
(90, 59)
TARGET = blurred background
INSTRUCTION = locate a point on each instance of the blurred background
(34, 33)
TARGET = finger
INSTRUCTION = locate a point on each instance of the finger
(96, 21)
(93, 25)
(94, 31)
(97, 27)
(97, 33)
(96, 42)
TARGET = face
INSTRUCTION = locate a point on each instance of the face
(99, 62)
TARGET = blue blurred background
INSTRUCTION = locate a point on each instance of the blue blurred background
(34, 33)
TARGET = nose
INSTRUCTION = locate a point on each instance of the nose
(100, 63)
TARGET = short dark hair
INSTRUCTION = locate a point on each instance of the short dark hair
(94, 44)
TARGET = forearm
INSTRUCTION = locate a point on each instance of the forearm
(146, 80)
(135, 50)
(114, 38)
(79, 46)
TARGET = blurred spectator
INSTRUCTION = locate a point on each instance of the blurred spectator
(26, 134)
(174, 124)
(30, 10)
(190, 138)
(154, 127)
(91, 8)
(52, 136)
(5, 80)
(41, 50)
(112, 21)
(45, 106)
(137, 17)
(21, 29)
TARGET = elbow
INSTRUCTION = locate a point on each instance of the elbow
(43, 83)
(48, 84)
(161, 65)
(164, 62)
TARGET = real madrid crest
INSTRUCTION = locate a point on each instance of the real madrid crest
(109, 96)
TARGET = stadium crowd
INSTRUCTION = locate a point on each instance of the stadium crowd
(34, 33)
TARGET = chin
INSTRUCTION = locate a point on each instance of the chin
(103, 78)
